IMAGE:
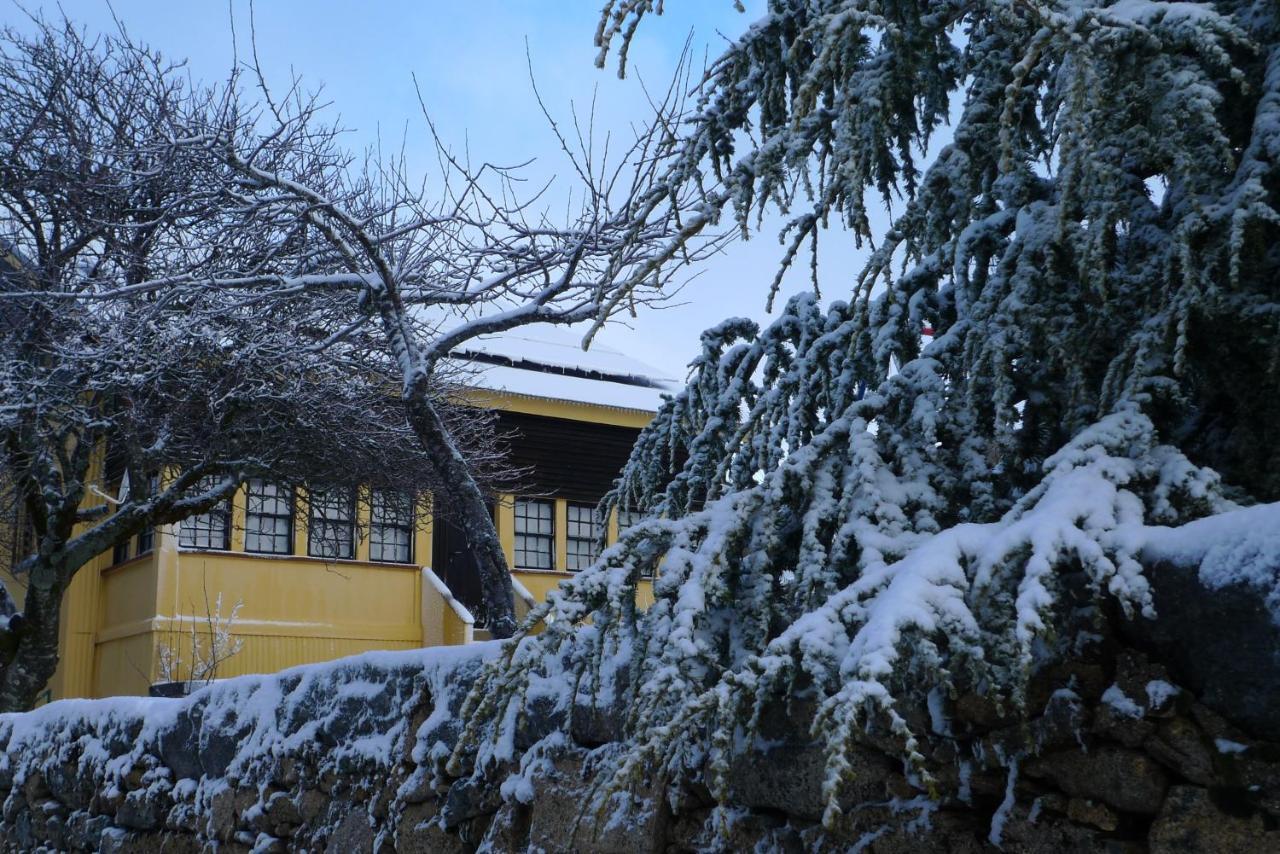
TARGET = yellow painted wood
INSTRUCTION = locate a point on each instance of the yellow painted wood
(301, 521)
(364, 518)
(540, 582)
(505, 521)
(422, 531)
(555, 408)
(124, 666)
(238, 507)
(562, 536)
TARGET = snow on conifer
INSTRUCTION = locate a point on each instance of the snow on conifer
(840, 506)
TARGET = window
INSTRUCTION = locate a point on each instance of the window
(332, 529)
(209, 530)
(535, 534)
(147, 536)
(391, 527)
(585, 532)
(627, 518)
(268, 520)
(120, 553)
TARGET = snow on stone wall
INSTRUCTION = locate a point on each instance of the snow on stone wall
(214, 765)
(1111, 754)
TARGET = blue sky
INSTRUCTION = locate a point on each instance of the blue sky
(469, 58)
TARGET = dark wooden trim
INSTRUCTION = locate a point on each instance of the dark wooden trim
(563, 458)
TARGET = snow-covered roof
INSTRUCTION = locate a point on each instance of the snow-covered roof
(550, 363)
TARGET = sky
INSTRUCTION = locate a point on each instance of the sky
(469, 59)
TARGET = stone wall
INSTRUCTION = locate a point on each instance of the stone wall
(336, 758)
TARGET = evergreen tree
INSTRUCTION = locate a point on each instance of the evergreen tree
(842, 505)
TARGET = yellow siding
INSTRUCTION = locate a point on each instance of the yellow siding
(124, 665)
(552, 408)
(128, 595)
(269, 653)
(301, 596)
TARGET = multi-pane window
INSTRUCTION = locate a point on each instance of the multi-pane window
(331, 531)
(628, 518)
(535, 533)
(268, 520)
(210, 530)
(147, 536)
(390, 526)
(120, 553)
(584, 534)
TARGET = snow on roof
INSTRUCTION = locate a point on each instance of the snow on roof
(550, 363)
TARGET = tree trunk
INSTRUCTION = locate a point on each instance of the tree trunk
(34, 656)
(473, 517)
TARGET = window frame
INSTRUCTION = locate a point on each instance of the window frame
(289, 516)
(147, 536)
(408, 527)
(576, 542)
(522, 538)
(350, 506)
(627, 518)
(221, 510)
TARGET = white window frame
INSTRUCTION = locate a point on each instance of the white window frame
(535, 528)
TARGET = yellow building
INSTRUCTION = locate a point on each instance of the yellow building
(311, 578)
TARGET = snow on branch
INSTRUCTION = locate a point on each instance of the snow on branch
(843, 508)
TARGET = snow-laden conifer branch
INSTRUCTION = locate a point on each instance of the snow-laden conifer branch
(844, 509)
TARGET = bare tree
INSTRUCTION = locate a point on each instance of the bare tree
(125, 407)
(281, 218)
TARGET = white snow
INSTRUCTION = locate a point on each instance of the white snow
(1159, 692)
(556, 349)
(501, 378)
(267, 715)
(1237, 547)
(1003, 812)
(1150, 11)
(1121, 702)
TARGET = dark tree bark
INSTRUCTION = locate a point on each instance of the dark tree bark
(471, 513)
(30, 643)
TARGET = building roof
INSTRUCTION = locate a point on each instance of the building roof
(550, 363)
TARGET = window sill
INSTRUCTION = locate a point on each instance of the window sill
(242, 555)
(560, 572)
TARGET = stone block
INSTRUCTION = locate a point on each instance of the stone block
(1124, 779)
(1190, 821)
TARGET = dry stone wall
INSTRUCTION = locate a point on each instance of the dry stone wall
(1117, 758)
